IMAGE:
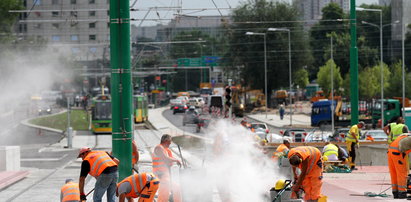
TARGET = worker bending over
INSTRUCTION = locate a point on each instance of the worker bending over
(103, 167)
(162, 161)
(352, 141)
(143, 186)
(308, 160)
(70, 192)
(282, 149)
(398, 165)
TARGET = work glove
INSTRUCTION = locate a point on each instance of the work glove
(83, 197)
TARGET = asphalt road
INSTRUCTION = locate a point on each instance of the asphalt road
(177, 120)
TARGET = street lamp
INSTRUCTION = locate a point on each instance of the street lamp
(381, 58)
(265, 66)
(289, 65)
(381, 28)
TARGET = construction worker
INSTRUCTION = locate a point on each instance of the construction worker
(398, 129)
(388, 130)
(70, 192)
(103, 167)
(143, 186)
(330, 151)
(162, 161)
(398, 165)
(135, 155)
(282, 149)
(352, 141)
(308, 160)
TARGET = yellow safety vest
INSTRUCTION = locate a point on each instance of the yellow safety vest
(396, 131)
(330, 149)
(390, 139)
(349, 137)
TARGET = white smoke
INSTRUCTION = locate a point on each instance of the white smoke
(236, 167)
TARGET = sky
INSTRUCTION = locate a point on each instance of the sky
(162, 15)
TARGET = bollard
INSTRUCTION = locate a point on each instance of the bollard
(69, 137)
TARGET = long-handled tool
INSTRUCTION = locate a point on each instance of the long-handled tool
(359, 156)
(181, 156)
(88, 194)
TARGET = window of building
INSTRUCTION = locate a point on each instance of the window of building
(36, 2)
(92, 37)
(55, 25)
(73, 13)
(108, 25)
(73, 1)
(55, 13)
(92, 13)
(108, 12)
(93, 49)
(55, 38)
(91, 1)
(54, 2)
(92, 25)
(75, 50)
(37, 26)
(74, 37)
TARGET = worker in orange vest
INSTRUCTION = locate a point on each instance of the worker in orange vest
(282, 149)
(143, 186)
(398, 165)
(162, 161)
(135, 155)
(103, 167)
(308, 159)
(70, 192)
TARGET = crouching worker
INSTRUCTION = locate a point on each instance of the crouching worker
(308, 160)
(70, 192)
(143, 186)
(398, 165)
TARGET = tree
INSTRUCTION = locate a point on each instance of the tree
(248, 51)
(324, 78)
(395, 88)
(370, 81)
(300, 78)
(7, 19)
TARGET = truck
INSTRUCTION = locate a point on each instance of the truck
(280, 97)
(392, 110)
(321, 113)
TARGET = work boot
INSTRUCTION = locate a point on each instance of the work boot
(395, 194)
(402, 195)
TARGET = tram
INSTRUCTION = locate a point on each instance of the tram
(140, 108)
(101, 114)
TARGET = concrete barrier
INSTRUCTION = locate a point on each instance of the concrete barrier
(10, 158)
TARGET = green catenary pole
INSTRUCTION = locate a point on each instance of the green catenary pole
(353, 65)
(121, 91)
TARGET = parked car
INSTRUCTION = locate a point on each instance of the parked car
(339, 134)
(255, 126)
(190, 116)
(318, 136)
(377, 135)
(276, 138)
(296, 135)
(196, 102)
(180, 108)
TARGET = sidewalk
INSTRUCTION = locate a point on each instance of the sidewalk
(298, 120)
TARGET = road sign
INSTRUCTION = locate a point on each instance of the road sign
(198, 62)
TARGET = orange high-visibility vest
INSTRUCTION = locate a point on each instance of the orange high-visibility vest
(99, 160)
(306, 152)
(280, 149)
(159, 165)
(394, 146)
(70, 192)
(138, 182)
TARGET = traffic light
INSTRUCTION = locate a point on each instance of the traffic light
(228, 96)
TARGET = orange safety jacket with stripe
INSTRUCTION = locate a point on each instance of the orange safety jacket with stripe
(138, 182)
(99, 160)
(134, 159)
(159, 165)
(395, 145)
(306, 152)
(70, 192)
(280, 149)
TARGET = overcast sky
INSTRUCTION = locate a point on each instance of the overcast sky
(161, 15)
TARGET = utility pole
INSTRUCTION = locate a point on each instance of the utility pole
(353, 65)
(69, 128)
(121, 89)
(332, 88)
